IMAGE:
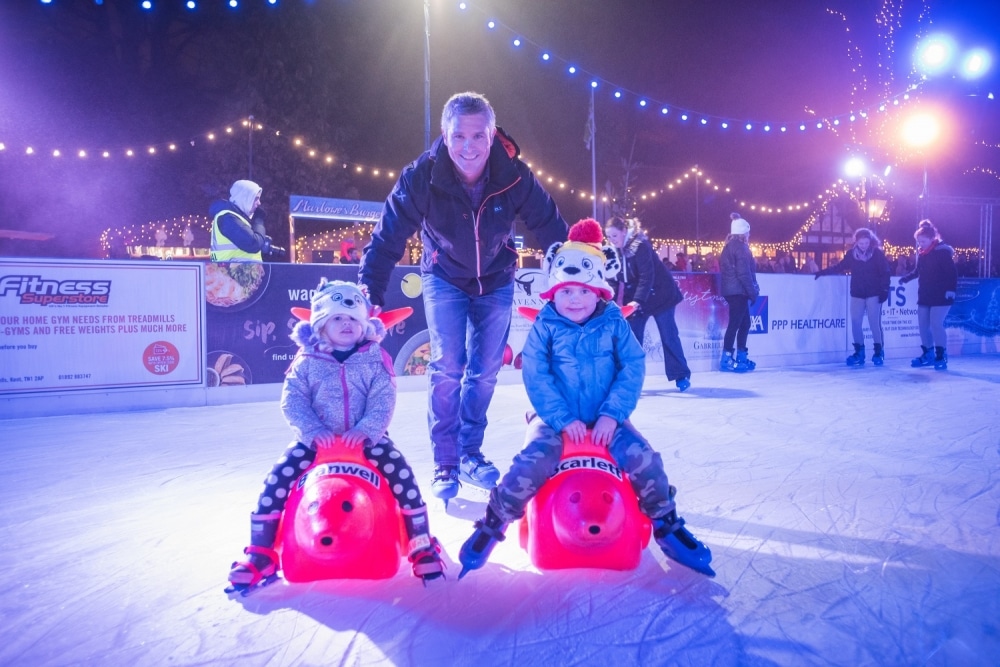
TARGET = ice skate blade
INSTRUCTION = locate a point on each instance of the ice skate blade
(243, 590)
(434, 582)
(445, 494)
(706, 570)
(486, 486)
(700, 569)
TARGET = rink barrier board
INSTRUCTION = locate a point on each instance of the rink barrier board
(239, 323)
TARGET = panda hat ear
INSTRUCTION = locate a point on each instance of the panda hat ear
(612, 265)
(550, 255)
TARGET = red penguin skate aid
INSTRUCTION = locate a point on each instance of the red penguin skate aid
(586, 515)
(341, 521)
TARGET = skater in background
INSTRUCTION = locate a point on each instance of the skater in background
(681, 262)
(341, 383)
(583, 369)
(645, 283)
(739, 288)
(463, 196)
(935, 293)
(870, 274)
(238, 233)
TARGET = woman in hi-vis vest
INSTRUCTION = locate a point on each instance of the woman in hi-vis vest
(238, 235)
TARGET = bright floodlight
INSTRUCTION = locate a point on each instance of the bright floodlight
(976, 63)
(934, 54)
(854, 167)
(921, 130)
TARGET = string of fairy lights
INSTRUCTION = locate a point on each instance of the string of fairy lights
(313, 153)
(172, 234)
(684, 115)
(140, 236)
(175, 238)
(888, 21)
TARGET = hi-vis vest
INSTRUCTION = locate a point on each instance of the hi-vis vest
(224, 250)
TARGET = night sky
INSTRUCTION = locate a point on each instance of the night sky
(348, 77)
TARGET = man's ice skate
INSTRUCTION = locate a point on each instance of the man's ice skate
(445, 484)
(680, 545)
(477, 549)
(477, 471)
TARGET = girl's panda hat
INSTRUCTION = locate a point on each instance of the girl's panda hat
(337, 297)
(583, 260)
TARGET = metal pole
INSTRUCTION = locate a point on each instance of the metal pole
(925, 197)
(427, 74)
(697, 212)
(593, 153)
(986, 240)
(868, 207)
(250, 149)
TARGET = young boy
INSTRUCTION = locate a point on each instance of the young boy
(341, 383)
(583, 369)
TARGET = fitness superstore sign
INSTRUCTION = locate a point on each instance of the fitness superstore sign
(35, 290)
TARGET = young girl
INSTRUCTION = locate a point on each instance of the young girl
(869, 290)
(738, 276)
(583, 369)
(341, 383)
(935, 293)
(646, 284)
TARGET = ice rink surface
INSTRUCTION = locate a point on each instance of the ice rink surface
(852, 514)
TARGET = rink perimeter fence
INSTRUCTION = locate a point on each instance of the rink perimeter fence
(86, 336)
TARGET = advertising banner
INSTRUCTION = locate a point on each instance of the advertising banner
(74, 325)
(796, 319)
(250, 318)
(973, 323)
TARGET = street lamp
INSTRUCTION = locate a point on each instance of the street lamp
(921, 130)
(874, 206)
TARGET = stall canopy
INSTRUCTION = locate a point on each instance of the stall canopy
(321, 209)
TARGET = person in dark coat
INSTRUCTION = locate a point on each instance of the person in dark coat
(645, 284)
(463, 196)
(738, 276)
(870, 274)
(935, 293)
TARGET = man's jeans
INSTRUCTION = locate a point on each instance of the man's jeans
(468, 335)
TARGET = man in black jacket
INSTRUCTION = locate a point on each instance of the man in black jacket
(463, 196)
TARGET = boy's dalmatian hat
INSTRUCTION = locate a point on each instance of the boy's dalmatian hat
(582, 260)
